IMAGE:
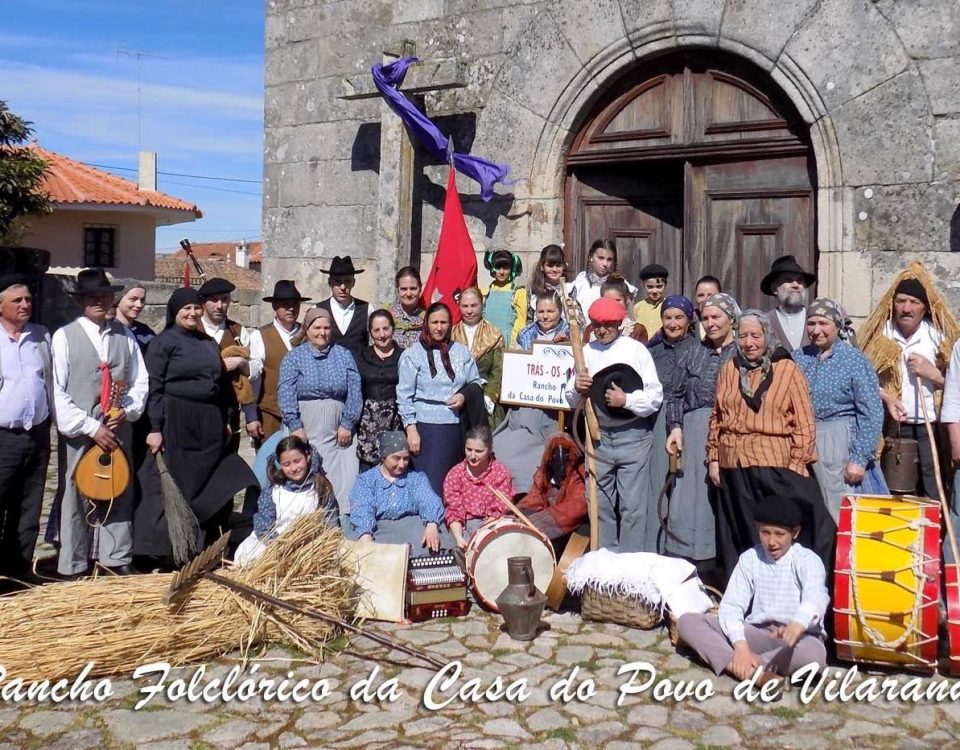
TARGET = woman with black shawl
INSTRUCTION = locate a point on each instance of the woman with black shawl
(188, 404)
(762, 442)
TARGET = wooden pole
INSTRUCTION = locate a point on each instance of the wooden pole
(944, 506)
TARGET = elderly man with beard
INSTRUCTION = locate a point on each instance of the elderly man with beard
(908, 338)
(788, 282)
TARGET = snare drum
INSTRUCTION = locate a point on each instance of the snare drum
(489, 548)
(887, 580)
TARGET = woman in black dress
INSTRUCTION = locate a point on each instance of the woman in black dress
(188, 407)
(379, 376)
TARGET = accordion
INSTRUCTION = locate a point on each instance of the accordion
(436, 587)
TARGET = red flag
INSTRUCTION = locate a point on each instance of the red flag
(455, 264)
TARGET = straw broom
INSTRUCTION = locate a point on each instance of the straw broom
(120, 623)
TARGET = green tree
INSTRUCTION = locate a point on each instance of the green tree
(21, 176)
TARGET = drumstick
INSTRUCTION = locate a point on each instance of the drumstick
(513, 508)
(944, 508)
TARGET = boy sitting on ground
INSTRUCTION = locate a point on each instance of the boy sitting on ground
(772, 612)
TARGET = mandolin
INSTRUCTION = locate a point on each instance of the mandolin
(104, 475)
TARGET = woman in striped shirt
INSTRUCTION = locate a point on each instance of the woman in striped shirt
(762, 441)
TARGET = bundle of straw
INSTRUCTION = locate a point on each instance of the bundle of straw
(120, 623)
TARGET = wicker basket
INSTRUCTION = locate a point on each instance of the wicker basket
(673, 630)
(622, 610)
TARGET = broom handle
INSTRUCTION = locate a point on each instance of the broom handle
(317, 615)
(944, 508)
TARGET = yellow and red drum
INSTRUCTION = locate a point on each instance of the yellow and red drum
(887, 581)
(951, 581)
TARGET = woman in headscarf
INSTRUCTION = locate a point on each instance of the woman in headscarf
(675, 335)
(188, 407)
(378, 365)
(320, 398)
(762, 442)
(433, 373)
(690, 529)
(392, 503)
(486, 345)
(846, 403)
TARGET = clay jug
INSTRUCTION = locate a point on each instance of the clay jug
(521, 603)
(900, 464)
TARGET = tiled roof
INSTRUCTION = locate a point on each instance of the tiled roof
(223, 250)
(71, 182)
(170, 268)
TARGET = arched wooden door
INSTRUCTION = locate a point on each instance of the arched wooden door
(696, 162)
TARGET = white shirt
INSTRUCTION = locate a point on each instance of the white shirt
(342, 315)
(258, 355)
(215, 332)
(586, 293)
(23, 388)
(73, 421)
(950, 410)
(597, 356)
(793, 325)
(470, 331)
(926, 341)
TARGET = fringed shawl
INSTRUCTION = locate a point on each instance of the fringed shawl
(487, 338)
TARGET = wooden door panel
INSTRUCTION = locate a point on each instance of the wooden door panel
(742, 216)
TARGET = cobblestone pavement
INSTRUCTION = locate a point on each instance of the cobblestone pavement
(471, 719)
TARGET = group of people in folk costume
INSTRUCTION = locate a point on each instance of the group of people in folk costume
(391, 422)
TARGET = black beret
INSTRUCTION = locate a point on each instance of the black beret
(12, 279)
(778, 510)
(654, 271)
(213, 287)
(624, 376)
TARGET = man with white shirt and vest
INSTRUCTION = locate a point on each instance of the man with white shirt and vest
(227, 333)
(25, 414)
(268, 346)
(621, 381)
(90, 356)
(906, 339)
(349, 313)
(788, 282)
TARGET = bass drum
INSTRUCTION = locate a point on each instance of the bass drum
(887, 580)
(487, 553)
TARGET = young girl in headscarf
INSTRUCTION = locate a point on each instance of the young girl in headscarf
(505, 303)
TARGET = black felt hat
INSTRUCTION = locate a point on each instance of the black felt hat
(654, 271)
(624, 376)
(94, 281)
(215, 286)
(285, 290)
(12, 279)
(785, 264)
(341, 267)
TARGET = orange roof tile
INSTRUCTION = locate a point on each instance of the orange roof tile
(222, 250)
(170, 268)
(71, 182)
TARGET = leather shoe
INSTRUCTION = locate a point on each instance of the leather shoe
(123, 570)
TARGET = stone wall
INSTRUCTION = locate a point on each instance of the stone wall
(878, 82)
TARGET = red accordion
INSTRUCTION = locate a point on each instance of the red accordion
(436, 587)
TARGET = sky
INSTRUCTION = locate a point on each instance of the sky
(71, 68)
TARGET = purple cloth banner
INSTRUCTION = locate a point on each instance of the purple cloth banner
(387, 79)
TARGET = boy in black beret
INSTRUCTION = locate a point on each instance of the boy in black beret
(647, 311)
(772, 612)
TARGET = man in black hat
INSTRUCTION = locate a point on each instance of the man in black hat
(91, 356)
(215, 293)
(349, 313)
(647, 311)
(268, 346)
(788, 282)
(26, 405)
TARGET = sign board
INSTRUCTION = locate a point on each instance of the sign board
(537, 378)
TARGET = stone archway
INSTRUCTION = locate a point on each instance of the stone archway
(814, 51)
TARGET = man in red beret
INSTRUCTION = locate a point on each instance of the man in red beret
(622, 382)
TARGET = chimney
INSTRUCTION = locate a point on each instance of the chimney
(147, 171)
(240, 256)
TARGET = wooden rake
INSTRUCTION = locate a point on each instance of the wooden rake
(201, 567)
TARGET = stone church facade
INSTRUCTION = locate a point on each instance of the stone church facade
(707, 135)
